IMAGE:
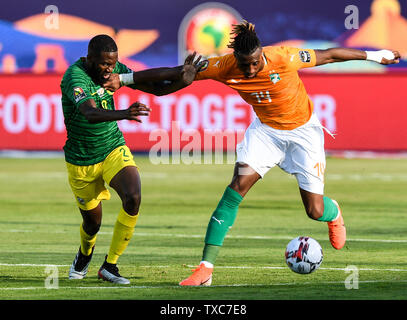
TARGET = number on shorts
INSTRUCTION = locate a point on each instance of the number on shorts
(320, 169)
(125, 155)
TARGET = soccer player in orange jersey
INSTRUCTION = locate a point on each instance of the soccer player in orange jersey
(286, 132)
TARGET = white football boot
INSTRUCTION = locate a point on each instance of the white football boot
(80, 265)
(110, 272)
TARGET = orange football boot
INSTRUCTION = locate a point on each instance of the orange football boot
(202, 276)
(337, 230)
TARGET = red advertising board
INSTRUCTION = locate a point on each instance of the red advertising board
(365, 111)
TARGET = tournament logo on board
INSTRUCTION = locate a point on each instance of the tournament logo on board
(206, 29)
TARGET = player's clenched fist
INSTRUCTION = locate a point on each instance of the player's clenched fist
(137, 109)
(391, 59)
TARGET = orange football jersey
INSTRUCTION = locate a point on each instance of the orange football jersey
(277, 93)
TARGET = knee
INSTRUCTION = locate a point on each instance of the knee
(315, 212)
(244, 177)
(241, 187)
(235, 185)
(131, 203)
(91, 228)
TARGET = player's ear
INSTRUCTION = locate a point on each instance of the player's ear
(89, 58)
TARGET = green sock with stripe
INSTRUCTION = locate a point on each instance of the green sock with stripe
(330, 210)
(221, 221)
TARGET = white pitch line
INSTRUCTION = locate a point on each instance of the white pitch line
(321, 268)
(212, 286)
(193, 266)
(33, 265)
(250, 237)
(259, 237)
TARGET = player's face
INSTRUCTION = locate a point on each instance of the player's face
(250, 64)
(102, 65)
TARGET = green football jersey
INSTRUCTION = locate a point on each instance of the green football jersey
(88, 143)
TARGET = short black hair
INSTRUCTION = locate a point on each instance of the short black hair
(245, 40)
(101, 43)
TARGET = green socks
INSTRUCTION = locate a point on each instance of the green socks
(330, 210)
(225, 214)
(221, 221)
(210, 252)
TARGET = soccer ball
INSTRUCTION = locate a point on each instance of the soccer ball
(303, 255)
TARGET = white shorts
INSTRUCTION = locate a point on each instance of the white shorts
(299, 152)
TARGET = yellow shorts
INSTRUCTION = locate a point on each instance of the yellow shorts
(88, 182)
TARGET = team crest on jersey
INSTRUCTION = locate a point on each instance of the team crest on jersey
(78, 94)
(305, 56)
(275, 77)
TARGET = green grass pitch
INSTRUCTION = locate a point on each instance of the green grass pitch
(39, 228)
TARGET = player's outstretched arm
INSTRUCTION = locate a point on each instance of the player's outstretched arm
(347, 54)
(187, 75)
(96, 115)
(158, 81)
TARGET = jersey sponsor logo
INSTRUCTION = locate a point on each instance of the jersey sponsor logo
(100, 92)
(305, 56)
(78, 94)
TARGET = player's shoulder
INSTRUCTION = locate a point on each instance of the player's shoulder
(216, 67)
(223, 61)
(281, 55)
(75, 69)
(75, 72)
(277, 53)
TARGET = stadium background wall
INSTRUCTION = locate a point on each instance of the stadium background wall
(364, 111)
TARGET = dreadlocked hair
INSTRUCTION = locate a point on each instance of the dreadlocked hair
(245, 40)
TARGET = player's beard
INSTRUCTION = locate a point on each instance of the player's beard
(96, 74)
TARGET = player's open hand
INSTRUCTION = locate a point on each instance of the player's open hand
(113, 83)
(137, 109)
(396, 58)
(191, 67)
(196, 63)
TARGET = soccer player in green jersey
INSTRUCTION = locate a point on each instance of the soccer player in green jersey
(95, 149)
